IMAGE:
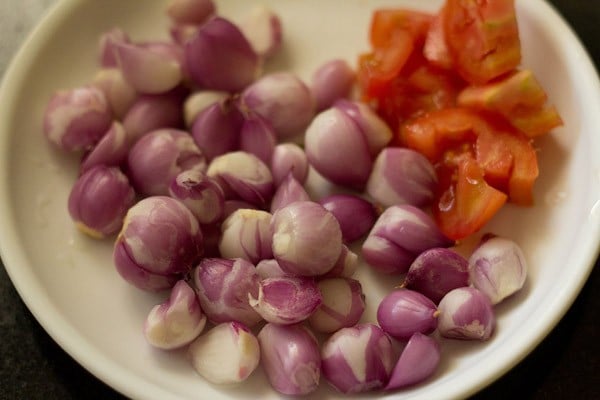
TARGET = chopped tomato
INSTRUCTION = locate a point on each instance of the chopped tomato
(519, 98)
(482, 37)
(387, 22)
(506, 156)
(377, 69)
(536, 122)
(447, 84)
(418, 89)
(439, 131)
(500, 149)
(435, 48)
(465, 202)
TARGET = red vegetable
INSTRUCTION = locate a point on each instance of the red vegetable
(447, 85)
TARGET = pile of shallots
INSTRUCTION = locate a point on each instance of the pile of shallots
(191, 155)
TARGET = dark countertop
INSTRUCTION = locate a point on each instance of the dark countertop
(565, 365)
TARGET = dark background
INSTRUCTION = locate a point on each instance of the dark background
(566, 365)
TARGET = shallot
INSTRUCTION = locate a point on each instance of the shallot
(226, 354)
(290, 357)
(99, 201)
(177, 321)
(498, 268)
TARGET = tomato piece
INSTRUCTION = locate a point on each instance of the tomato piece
(377, 69)
(420, 88)
(482, 37)
(385, 23)
(519, 98)
(506, 156)
(465, 201)
(438, 131)
(435, 48)
(501, 149)
(536, 122)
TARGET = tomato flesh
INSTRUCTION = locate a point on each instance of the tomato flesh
(483, 38)
(385, 23)
(519, 98)
(465, 202)
(447, 84)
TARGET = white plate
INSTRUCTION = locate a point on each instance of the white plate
(69, 283)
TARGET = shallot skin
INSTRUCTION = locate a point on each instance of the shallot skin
(160, 236)
(357, 359)
(404, 312)
(76, 119)
(498, 268)
(223, 287)
(226, 354)
(466, 314)
(307, 239)
(177, 321)
(400, 234)
(290, 357)
(99, 201)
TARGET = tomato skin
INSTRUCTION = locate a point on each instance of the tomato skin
(385, 23)
(435, 48)
(465, 202)
(506, 156)
(438, 131)
(378, 68)
(448, 86)
(482, 37)
(519, 98)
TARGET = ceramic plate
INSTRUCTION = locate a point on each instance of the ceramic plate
(70, 285)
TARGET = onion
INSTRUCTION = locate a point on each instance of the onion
(216, 129)
(466, 313)
(118, 92)
(159, 242)
(223, 287)
(404, 312)
(199, 101)
(288, 192)
(283, 100)
(227, 354)
(243, 176)
(76, 119)
(258, 137)
(152, 112)
(400, 234)
(307, 239)
(330, 82)
(286, 300)
(417, 362)
(437, 271)
(190, 11)
(357, 359)
(290, 357)
(147, 70)
(343, 305)
(219, 57)
(289, 158)
(402, 176)
(159, 156)
(262, 27)
(497, 268)
(176, 322)
(110, 151)
(343, 141)
(355, 214)
(99, 201)
(201, 194)
(247, 234)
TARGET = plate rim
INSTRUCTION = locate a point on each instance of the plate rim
(119, 378)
